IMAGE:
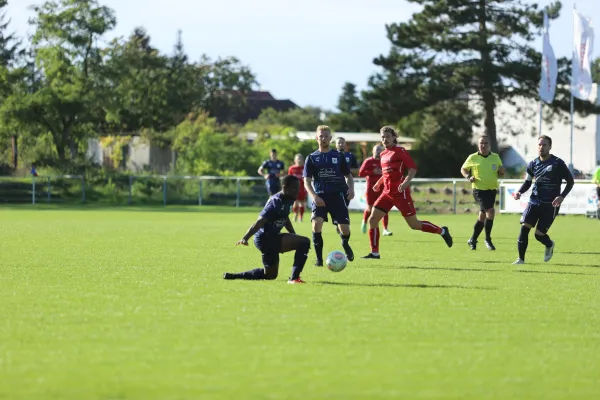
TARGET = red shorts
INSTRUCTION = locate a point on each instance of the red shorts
(402, 201)
(301, 195)
(372, 196)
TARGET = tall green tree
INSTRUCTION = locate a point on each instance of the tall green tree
(452, 48)
(67, 59)
(354, 114)
(596, 70)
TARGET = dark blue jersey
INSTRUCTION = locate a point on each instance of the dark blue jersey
(272, 168)
(350, 160)
(276, 212)
(549, 176)
(328, 171)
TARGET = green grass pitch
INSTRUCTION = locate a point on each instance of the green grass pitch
(130, 304)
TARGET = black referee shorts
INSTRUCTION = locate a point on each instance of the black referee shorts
(486, 199)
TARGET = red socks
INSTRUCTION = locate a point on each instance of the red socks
(374, 240)
(385, 222)
(430, 228)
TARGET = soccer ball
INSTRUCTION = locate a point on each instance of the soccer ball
(336, 261)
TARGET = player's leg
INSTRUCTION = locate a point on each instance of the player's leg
(295, 210)
(490, 213)
(301, 245)
(547, 216)
(385, 220)
(338, 208)
(318, 217)
(301, 207)
(480, 223)
(407, 208)
(381, 207)
(270, 249)
(528, 220)
(366, 215)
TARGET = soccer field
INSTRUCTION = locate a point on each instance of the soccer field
(131, 304)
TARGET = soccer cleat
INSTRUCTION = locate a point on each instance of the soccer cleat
(372, 256)
(489, 244)
(349, 252)
(518, 262)
(318, 263)
(472, 244)
(387, 233)
(446, 236)
(228, 276)
(549, 252)
(294, 281)
(363, 227)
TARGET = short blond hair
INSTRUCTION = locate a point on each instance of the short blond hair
(323, 128)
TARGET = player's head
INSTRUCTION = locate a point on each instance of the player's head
(377, 149)
(323, 136)
(544, 146)
(389, 136)
(298, 159)
(483, 145)
(340, 144)
(290, 186)
(273, 154)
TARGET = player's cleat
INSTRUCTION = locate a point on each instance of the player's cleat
(446, 236)
(372, 256)
(472, 244)
(549, 252)
(229, 276)
(294, 281)
(518, 262)
(363, 227)
(387, 233)
(318, 263)
(489, 244)
(349, 252)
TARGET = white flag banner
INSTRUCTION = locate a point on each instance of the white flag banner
(549, 67)
(583, 45)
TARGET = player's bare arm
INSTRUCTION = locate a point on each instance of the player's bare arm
(350, 183)
(261, 172)
(289, 226)
(501, 171)
(377, 185)
(260, 222)
(409, 177)
(467, 175)
(309, 188)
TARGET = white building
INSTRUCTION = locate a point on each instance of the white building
(517, 128)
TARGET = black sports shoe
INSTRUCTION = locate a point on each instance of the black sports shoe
(373, 256)
(472, 244)
(349, 252)
(446, 236)
(228, 276)
(489, 244)
(318, 263)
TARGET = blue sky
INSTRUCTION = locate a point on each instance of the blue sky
(302, 50)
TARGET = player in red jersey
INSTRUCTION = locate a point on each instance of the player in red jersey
(297, 169)
(371, 169)
(395, 161)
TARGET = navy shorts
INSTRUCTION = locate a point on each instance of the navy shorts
(273, 187)
(270, 247)
(540, 215)
(336, 205)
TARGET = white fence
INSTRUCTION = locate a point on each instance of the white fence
(430, 195)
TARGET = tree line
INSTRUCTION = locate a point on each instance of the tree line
(67, 86)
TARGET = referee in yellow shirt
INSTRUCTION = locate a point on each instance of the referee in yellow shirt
(482, 169)
(596, 180)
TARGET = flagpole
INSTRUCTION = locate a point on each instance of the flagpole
(572, 106)
(541, 110)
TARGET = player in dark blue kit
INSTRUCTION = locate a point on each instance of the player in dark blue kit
(269, 239)
(544, 203)
(340, 144)
(271, 170)
(333, 189)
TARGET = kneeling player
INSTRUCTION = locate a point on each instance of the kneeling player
(545, 200)
(269, 240)
(394, 161)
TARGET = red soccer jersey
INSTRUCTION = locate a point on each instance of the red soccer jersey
(370, 169)
(394, 163)
(297, 171)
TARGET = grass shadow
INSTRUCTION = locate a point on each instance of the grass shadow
(437, 268)
(553, 272)
(405, 285)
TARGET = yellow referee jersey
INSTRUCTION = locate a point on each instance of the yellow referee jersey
(484, 169)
